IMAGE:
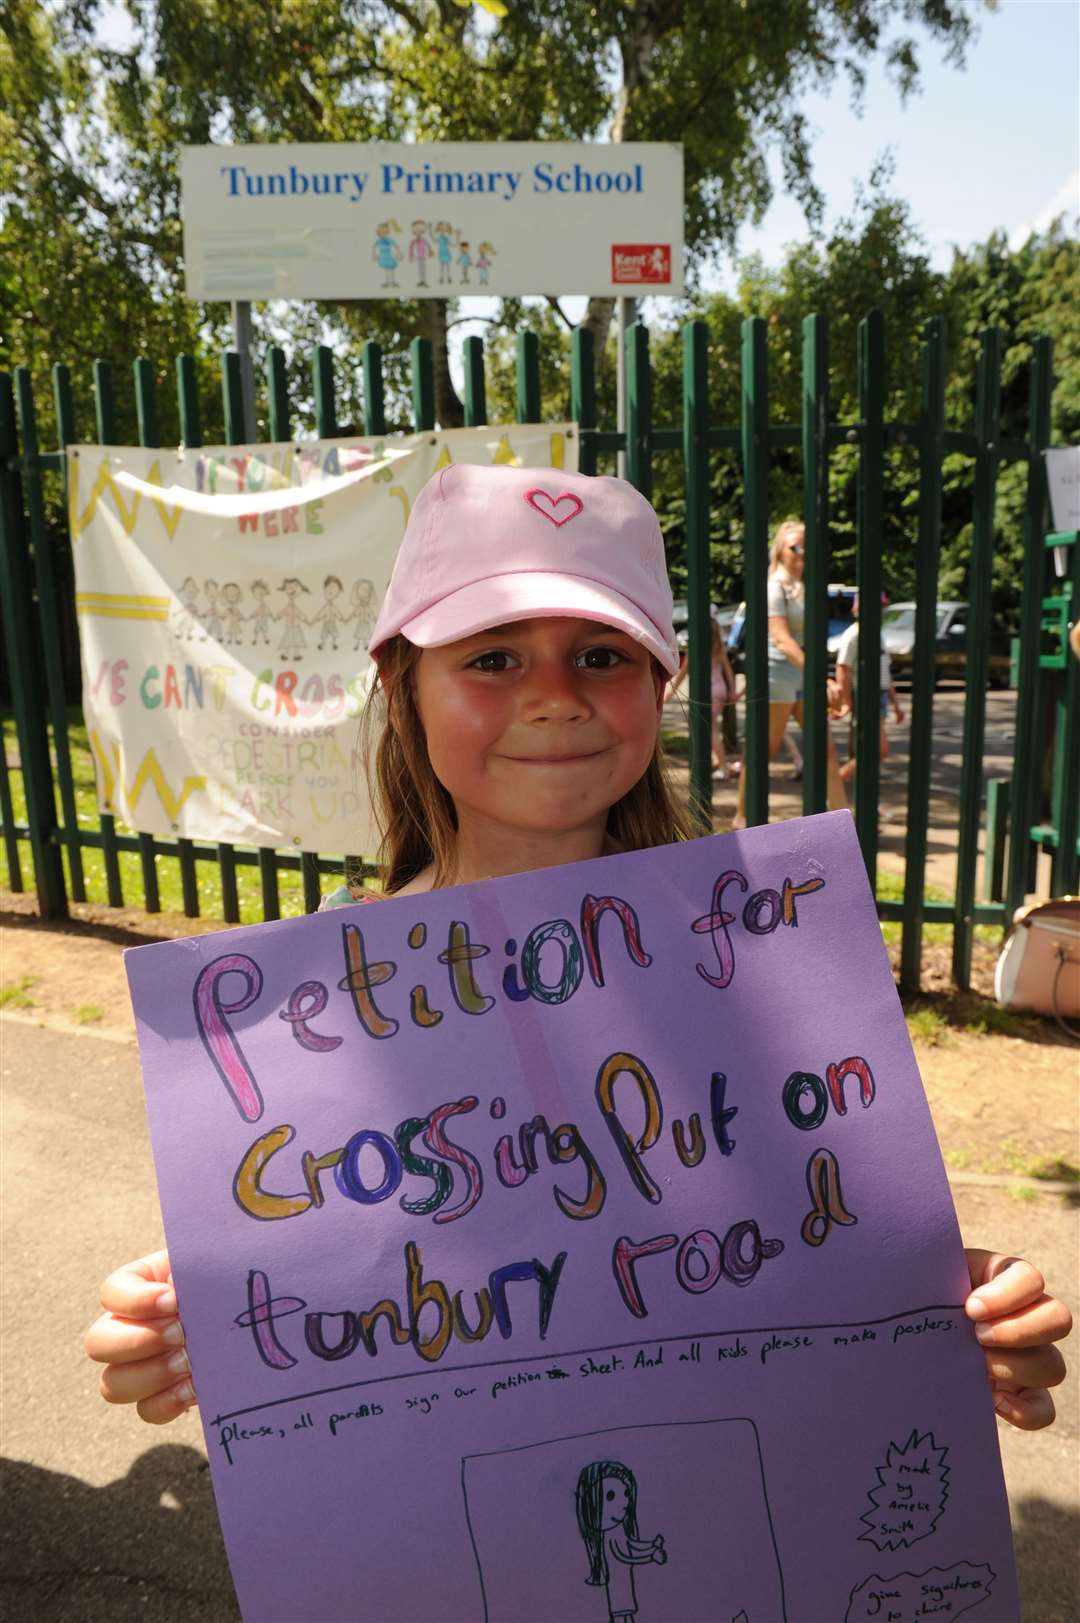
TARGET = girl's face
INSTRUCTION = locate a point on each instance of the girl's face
(539, 727)
(793, 553)
(613, 1501)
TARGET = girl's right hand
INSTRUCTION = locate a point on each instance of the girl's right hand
(140, 1340)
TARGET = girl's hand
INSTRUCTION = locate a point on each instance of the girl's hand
(1017, 1322)
(140, 1340)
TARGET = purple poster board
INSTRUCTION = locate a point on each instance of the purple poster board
(575, 1245)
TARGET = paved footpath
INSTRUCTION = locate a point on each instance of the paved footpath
(108, 1520)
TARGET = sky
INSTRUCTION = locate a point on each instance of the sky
(995, 145)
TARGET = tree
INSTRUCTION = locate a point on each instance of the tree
(91, 131)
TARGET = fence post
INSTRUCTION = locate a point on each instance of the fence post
(698, 583)
(475, 391)
(187, 400)
(528, 378)
(931, 453)
(105, 419)
(48, 606)
(815, 444)
(639, 409)
(755, 452)
(146, 415)
(25, 667)
(583, 397)
(1066, 799)
(1025, 776)
(423, 385)
(976, 647)
(868, 521)
(374, 398)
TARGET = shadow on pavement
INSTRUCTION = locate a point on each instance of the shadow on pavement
(1047, 1537)
(147, 1546)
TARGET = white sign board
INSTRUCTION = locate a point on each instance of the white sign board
(1063, 478)
(341, 221)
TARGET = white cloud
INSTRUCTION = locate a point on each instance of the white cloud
(1066, 200)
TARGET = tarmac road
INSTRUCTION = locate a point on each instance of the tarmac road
(108, 1520)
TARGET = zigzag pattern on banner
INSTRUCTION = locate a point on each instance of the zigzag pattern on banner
(122, 606)
(128, 516)
(149, 771)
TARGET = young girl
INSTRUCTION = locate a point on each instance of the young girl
(722, 691)
(523, 649)
(606, 1504)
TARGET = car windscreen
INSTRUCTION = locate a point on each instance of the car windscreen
(898, 620)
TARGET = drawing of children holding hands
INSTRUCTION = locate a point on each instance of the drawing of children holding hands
(443, 235)
(293, 642)
(234, 619)
(363, 612)
(187, 612)
(464, 261)
(260, 615)
(606, 1503)
(330, 616)
(386, 252)
(483, 261)
(211, 621)
(420, 250)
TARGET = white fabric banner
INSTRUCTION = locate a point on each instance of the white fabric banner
(225, 597)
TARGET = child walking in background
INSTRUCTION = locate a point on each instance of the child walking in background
(721, 690)
(523, 651)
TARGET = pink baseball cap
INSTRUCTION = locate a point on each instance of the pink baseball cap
(486, 546)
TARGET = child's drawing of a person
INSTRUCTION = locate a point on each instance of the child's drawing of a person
(464, 261)
(483, 261)
(443, 235)
(260, 615)
(293, 642)
(606, 1503)
(231, 594)
(363, 611)
(386, 252)
(420, 250)
(211, 617)
(187, 611)
(330, 616)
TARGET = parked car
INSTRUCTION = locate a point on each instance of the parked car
(723, 614)
(950, 642)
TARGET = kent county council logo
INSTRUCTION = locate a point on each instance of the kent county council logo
(641, 262)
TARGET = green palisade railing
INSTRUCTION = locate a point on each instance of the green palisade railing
(32, 608)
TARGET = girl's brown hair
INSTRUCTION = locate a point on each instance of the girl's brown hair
(414, 813)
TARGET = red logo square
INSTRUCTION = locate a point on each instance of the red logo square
(639, 263)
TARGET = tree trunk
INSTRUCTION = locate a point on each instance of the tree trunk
(449, 412)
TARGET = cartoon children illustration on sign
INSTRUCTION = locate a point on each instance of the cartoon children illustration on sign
(260, 615)
(211, 616)
(187, 610)
(420, 250)
(386, 252)
(293, 642)
(483, 261)
(606, 1503)
(443, 235)
(231, 595)
(363, 611)
(464, 261)
(330, 616)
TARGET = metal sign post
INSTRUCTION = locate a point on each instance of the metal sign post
(626, 311)
(242, 336)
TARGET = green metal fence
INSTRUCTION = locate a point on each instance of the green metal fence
(31, 607)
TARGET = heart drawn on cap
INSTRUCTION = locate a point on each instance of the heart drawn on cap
(547, 505)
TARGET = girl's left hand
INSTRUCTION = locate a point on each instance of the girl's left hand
(1017, 1321)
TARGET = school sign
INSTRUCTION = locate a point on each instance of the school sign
(341, 221)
